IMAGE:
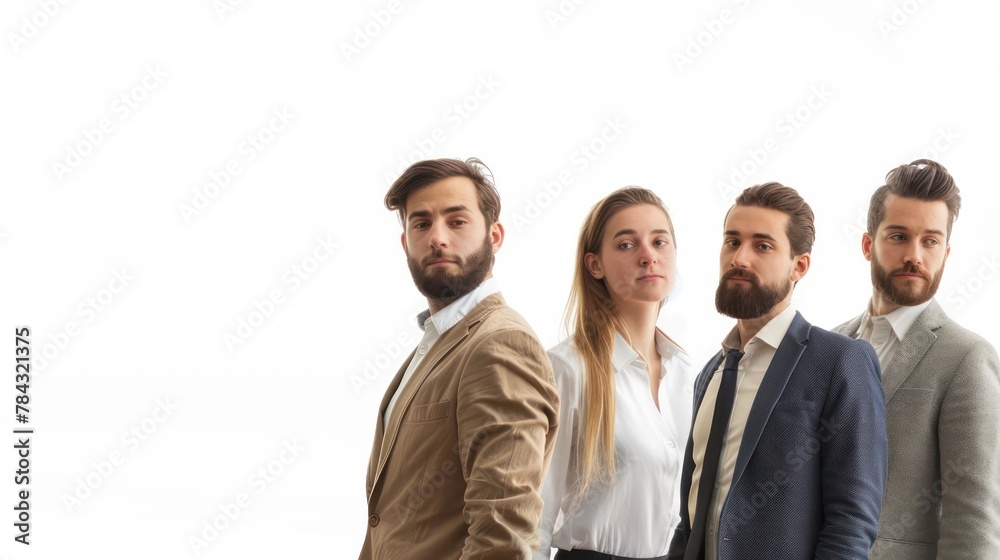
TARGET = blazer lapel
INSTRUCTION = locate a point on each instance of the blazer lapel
(441, 348)
(701, 383)
(438, 351)
(786, 357)
(373, 461)
(912, 349)
(851, 328)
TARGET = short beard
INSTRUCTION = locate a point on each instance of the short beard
(882, 280)
(444, 287)
(748, 302)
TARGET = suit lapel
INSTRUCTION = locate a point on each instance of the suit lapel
(786, 357)
(912, 349)
(441, 348)
(702, 381)
(851, 328)
(373, 461)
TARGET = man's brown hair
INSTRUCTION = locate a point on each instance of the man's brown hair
(425, 172)
(921, 179)
(800, 230)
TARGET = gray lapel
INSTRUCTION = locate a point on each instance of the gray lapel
(912, 349)
(850, 328)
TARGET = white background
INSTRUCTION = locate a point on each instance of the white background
(526, 86)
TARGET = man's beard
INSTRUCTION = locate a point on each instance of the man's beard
(747, 302)
(443, 286)
(882, 280)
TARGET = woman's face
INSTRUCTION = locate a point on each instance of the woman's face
(637, 260)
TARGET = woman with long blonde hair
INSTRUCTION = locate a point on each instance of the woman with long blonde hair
(612, 488)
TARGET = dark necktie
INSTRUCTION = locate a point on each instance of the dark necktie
(710, 468)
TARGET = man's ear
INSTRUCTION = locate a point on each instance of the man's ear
(866, 245)
(801, 267)
(496, 235)
(593, 264)
(402, 241)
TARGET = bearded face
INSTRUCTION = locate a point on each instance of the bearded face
(742, 295)
(447, 277)
(907, 285)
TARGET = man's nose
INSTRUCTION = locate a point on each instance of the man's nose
(439, 236)
(741, 257)
(914, 253)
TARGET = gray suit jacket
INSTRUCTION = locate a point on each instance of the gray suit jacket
(942, 392)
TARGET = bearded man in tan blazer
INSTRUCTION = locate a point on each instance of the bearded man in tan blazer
(466, 427)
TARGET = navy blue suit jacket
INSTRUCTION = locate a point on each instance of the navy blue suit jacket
(811, 469)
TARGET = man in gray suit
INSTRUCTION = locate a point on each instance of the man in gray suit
(941, 382)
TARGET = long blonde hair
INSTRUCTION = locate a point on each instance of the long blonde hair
(593, 318)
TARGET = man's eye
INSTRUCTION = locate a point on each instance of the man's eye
(731, 243)
(897, 237)
(458, 222)
(931, 241)
(661, 243)
(764, 247)
(419, 225)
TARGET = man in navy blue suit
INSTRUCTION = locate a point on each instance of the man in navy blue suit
(788, 450)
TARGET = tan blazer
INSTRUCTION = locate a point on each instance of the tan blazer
(457, 471)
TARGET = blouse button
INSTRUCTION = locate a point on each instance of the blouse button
(670, 444)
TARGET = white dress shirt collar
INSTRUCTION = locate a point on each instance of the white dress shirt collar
(450, 315)
(623, 354)
(436, 325)
(771, 334)
(900, 319)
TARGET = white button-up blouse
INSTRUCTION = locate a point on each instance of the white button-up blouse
(636, 515)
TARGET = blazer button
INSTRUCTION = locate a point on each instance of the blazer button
(373, 520)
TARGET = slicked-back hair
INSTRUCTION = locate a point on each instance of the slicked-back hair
(801, 229)
(921, 179)
(425, 172)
